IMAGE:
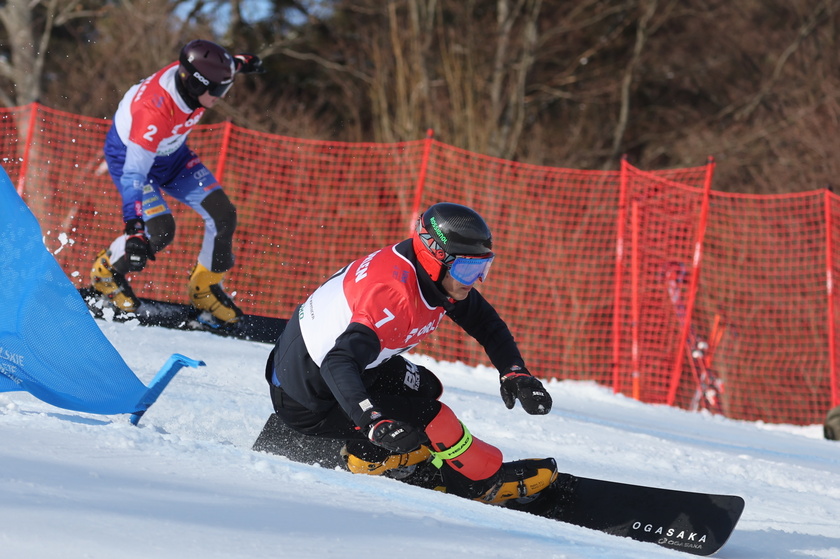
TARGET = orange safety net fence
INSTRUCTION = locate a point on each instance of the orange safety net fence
(646, 281)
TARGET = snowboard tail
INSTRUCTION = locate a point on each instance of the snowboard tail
(695, 523)
(278, 438)
(180, 316)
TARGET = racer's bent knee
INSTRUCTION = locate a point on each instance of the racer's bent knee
(223, 213)
(161, 231)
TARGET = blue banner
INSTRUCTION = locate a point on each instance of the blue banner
(50, 345)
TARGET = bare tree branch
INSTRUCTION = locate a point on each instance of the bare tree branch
(320, 61)
(642, 33)
(819, 14)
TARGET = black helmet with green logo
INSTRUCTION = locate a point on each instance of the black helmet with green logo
(446, 231)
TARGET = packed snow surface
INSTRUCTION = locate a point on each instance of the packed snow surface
(185, 483)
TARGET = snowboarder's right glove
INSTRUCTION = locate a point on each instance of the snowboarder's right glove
(517, 382)
(137, 247)
(391, 434)
(248, 64)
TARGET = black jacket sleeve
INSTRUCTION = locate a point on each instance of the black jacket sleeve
(342, 368)
(480, 320)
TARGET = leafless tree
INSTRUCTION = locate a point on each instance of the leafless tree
(754, 83)
(28, 27)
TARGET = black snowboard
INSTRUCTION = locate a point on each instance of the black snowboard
(696, 523)
(186, 317)
(277, 438)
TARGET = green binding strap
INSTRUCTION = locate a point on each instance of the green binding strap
(453, 451)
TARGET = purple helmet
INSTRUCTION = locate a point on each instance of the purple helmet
(206, 68)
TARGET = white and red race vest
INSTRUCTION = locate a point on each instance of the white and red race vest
(379, 291)
(153, 115)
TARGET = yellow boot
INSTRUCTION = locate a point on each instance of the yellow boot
(520, 479)
(396, 466)
(112, 285)
(207, 294)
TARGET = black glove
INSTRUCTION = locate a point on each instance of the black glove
(396, 436)
(248, 64)
(517, 382)
(137, 247)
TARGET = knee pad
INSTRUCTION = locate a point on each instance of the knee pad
(222, 213)
(431, 386)
(161, 231)
(400, 376)
(453, 444)
(420, 379)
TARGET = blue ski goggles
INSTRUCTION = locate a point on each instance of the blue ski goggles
(467, 270)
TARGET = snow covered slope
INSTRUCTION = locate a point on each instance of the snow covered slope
(185, 484)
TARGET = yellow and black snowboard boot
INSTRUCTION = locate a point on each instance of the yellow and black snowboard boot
(396, 466)
(519, 480)
(207, 294)
(112, 285)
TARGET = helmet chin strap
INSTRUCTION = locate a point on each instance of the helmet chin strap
(447, 298)
(433, 290)
(192, 102)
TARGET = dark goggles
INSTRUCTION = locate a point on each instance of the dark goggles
(219, 89)
(469, 269)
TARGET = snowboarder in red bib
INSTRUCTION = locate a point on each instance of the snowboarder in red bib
(337, 370)
(147, 155)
